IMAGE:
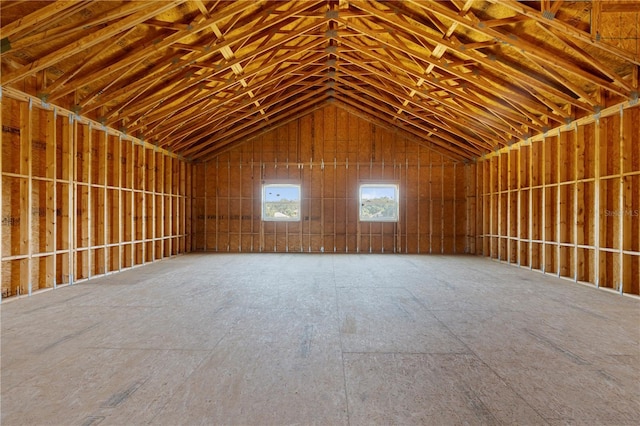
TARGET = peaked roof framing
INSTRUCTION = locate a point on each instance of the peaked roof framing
(200, 76)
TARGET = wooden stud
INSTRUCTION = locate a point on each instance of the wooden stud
(52, 173)
(597, 205)
(419, 203)
(626, 205)
(228, 212)
(442, 230)
(2, 232)
(534, 203)
(544, 217)
(26, 134)
(430, 206)
(562, 205)
(63, 181)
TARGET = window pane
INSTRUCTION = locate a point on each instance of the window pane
(281, 202)
(379, 203)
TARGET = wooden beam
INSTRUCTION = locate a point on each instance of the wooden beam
(565, 82)
(161, 76)
(165, 98)
(49, 31)
(36, 18)
(483, 117)
(226, 115)
(597, 64)
(492, 23)
(526, 48)
(469, 150)
(228, 118)
(473, 87)
(567, 29)
(452, 123)
(518, 77)
(88, 41)
(248, 135)
(151, 48)
(596, 10)
(193, 99)
(92, 55)
(556, 6)
(290, 108)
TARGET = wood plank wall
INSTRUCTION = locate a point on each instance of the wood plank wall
(80, 200)
(329, 152)
(568, 203)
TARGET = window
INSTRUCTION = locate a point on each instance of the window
(281, 202)
(379, 203)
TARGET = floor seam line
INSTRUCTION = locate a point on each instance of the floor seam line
(342, 352)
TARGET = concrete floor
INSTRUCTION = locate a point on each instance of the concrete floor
(322, 339)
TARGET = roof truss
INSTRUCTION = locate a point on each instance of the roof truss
(199, 77)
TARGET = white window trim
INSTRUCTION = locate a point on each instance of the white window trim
(396, 189)
(265, 186)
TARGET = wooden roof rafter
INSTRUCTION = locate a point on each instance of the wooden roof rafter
(487, 62)
(88, 41)
(167, 42)
(462, 76)
(162, 135)
(474, 113)
(440, 64)
(251, 134)
(38, 18)
(228, 113)
(91, 56)
(456, 137)
(153, 47)
(404, 100)
(31, 35)
(227, 64)
(568, 29)
(288, 108)
(597, 64)
(452, 147)
(473, 86)
(248, 130)
(254, 86)
(527, 49)
(217, 118)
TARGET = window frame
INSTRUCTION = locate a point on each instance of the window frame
(396, 199)
(263, 201)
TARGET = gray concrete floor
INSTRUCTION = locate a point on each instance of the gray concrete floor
(321, 339)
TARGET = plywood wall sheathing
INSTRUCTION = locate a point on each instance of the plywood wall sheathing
(329, 152)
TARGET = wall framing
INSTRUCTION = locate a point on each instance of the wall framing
(566, 202)
(330, 151)
(78, 198)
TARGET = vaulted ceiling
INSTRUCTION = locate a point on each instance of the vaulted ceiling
(198, 77)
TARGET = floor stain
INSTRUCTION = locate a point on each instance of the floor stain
(349, 325)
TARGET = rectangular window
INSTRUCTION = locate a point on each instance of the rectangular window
(379, 202)
(281, 202)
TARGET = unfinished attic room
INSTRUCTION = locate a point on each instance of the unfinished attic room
(324, 212)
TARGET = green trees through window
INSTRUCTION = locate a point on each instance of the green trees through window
(379, 203)
(281, 202)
